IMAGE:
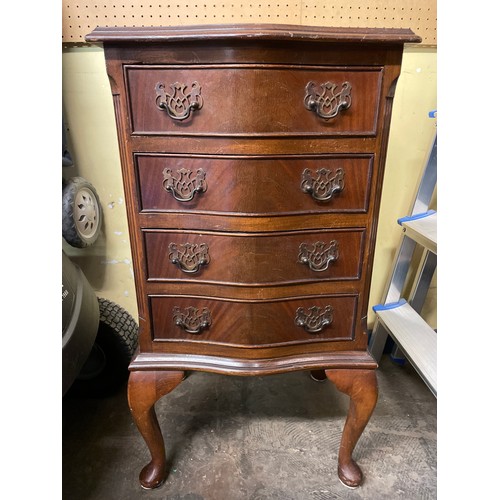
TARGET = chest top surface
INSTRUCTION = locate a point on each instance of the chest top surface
(252, 31)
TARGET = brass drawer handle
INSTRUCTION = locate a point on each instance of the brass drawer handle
(325, 185)
(181, 184)
(189, 257)
(318, 255)
(179, 104)
(315, 320)
(191, 320)
(326, 102)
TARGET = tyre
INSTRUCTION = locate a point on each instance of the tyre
(81, 212)
(106, 368)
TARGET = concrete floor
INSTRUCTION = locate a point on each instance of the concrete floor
(262, 438)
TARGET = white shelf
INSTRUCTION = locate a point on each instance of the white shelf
(423, 230)
(415, 338)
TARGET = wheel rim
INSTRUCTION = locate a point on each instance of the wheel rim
(86, 213)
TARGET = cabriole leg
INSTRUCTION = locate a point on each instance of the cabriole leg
(144, 389)
(361, 387)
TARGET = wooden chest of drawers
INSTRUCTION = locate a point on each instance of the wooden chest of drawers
(252, 160)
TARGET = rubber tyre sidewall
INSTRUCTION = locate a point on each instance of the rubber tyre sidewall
(69, 229)
(117, 338)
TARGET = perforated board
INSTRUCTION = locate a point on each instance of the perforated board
(80, 17)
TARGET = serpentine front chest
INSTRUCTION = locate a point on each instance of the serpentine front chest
(252, 160)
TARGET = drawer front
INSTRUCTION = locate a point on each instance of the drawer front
(249, 100)
(253, 324)
(254, 185)
(254, 259)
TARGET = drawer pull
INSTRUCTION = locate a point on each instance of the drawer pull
(318, 255)
(191, 320)
(181, 185)
(325, 185)
(315, 320)
(188, 257)
(326, 102)
(178, 104)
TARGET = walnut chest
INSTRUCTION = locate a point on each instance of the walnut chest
(252, 159)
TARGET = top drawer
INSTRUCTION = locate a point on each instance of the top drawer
(253, 100)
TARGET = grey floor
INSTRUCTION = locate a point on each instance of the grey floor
(276, 437)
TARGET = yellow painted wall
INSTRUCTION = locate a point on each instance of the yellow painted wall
(411, 136)
(88, 110)
(92, 141)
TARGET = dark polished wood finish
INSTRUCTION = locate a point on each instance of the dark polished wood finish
(272, 32)
(253, 160)
(228, 110)
(361, 387)
(254, 324)
(237, 258)
(144, 389)
(279, 178)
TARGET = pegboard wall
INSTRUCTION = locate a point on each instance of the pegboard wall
(80, 17)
